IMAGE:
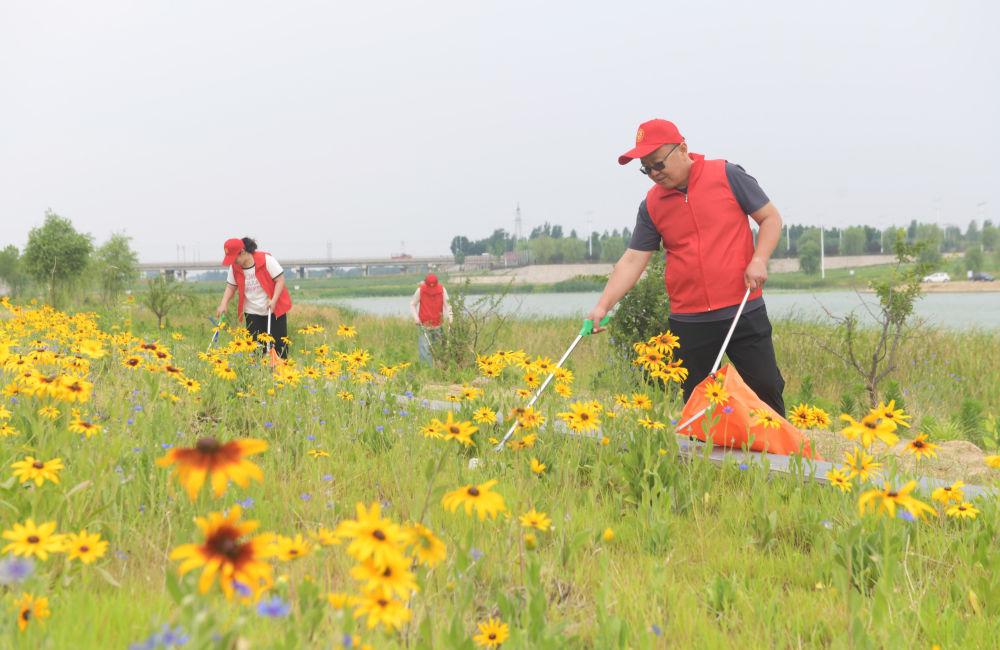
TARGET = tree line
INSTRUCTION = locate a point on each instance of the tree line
(547, 244)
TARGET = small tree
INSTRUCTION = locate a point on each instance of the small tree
(473, 330)
(875, 359)
(974, 258)
(56, 253)
(809, 258)
(117, 266)
(643, 312)
(12, 270)
(163, 295)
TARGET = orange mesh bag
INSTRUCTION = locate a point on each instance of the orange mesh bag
(744, 420)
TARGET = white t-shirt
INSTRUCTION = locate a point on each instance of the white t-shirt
(255, 299)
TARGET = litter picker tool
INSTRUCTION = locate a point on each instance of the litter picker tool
(272, 353)
(586, 330)
(218, 327)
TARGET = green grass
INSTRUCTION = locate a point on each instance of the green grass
(713, 558)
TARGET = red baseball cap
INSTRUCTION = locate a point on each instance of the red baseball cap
(233, 248)
(651, 136)
(431, 279)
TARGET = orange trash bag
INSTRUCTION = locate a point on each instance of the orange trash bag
(744, 420)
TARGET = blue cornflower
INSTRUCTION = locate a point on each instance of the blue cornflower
(906, 515)
(328, 477)
(305, 496)
(130, 421)
(166, 445)
(656, 630)
(310, 438)
(476, 554)
(242, 589)
(379, 428)
(744, 466)
(727, 409)
(274, 608)
(246, 504)
(175, 637)
(15, 569)
(268, 425)
(137, 408)
(408, 394)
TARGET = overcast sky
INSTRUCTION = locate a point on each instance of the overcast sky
(368, 125)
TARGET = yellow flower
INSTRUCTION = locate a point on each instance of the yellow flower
(529, 418)
(964, 510)
(470, 393)
(608, 534)
(870, 428)
(605, 441)
(992, 461)
(395, 578)
(372, 536)
(326, 537)
(427, 548)
(220, 462)
(379, 607)
(7, 431)
(481, 497)
(30, 608)
(84, 546)
(522, 392)
(347, 331)
(177, 336)
(347, 396)
(49, 412)
(530, 541)
(459, 431)
(920, 447)
(819, 418)
(623, 401)
(537, 467)
(765, 418)
(715, 393)
(28, 540)
(227, 553)
(861, 464)
(581, 417)
(563, 390)
(535, 519)
(890, 413)
(888, 499)
(318, 453)
(291, 548)
(839, 479)
(491, 633)
(640, 401)
(649, 423)
(801, 416)
(485, 415)
(949, 493)
(339, 600)
(79, 425)
(30, 469)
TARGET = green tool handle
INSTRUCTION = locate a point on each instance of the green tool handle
(588, 325)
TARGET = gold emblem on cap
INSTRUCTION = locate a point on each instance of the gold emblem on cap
(640, 135)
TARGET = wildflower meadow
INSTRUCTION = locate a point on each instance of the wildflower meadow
(166, 487)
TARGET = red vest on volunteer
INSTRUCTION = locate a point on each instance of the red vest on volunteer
(707, 237)
(431, 304)
(266, 282)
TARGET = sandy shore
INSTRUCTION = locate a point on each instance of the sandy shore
(961, 286)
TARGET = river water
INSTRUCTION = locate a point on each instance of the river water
(956, 310)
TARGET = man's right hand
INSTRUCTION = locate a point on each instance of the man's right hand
(596, 314)
(220, 311)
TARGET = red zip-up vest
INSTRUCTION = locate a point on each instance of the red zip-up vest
(707, 237)
(431, 304)
(266, 283)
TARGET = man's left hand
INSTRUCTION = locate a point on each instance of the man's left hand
(756, 274)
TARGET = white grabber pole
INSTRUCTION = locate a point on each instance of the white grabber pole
(718, 359)
(586, 330)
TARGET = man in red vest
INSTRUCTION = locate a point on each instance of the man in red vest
(429, 307)
(698, 209)
(260, 282)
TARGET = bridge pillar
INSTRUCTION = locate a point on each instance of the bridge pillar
(364, 270)
(169, 274)
(301, 272)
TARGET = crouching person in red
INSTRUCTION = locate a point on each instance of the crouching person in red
(260, 282)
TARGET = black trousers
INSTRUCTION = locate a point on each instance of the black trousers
(279, 329)
(751, 352)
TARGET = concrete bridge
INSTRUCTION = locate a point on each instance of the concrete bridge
(297, 266)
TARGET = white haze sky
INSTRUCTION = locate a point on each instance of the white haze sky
(369, 124)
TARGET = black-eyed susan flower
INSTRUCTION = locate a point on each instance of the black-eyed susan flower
(29, 540)
(491, 633)
(394, 578)
(871, 427)
(228, 553)
(650, 423)
(765, 418)
(291, 548)
(921, 447)
(79, 424)
(30, 608)
(641, 401)
(318, 453)
(133, 362)
(992, 461)
(485, 415)
(890, 413)
(861, 464)
(32, 469)
(372, 536)
(537, 467)
(964, 510)
(536, 520)
(452, 429)
(220, 462)
(623, 401)
(819, 419)
(608, 534)
(85, 546)
(530, 419)
(482, 498)
(378, 607)
(345, 395)
(715, 393)
(801, 416)
(7, 431)
(347, 331)
(427, 548)
(839, 479)
(948, 493)
(889, 498)
(581, 417)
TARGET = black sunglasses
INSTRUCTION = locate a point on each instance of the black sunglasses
(660, 165)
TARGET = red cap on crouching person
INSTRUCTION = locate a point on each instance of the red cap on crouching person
(233, 248)
(651, 136)
(431, 280)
